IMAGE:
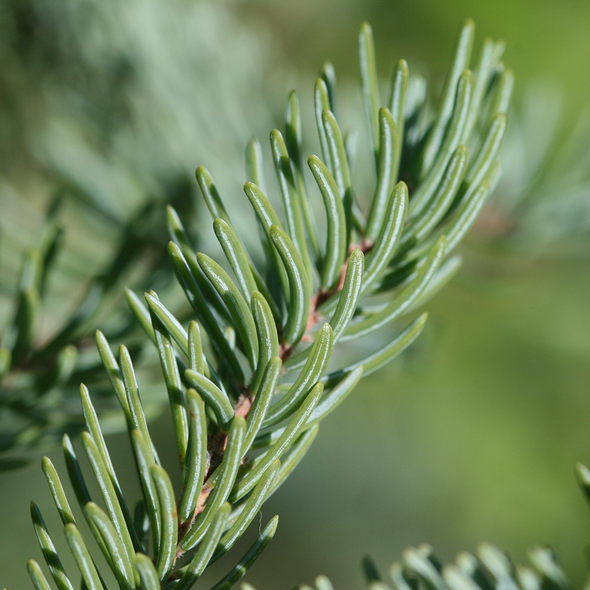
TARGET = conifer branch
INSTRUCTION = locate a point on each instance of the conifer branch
(254, 369)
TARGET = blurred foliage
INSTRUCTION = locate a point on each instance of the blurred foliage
(106, 107)
(542, 205)
(487, 569)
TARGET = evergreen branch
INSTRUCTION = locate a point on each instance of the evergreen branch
(488, 568)
(249, 370)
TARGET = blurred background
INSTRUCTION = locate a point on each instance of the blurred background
(473, 435)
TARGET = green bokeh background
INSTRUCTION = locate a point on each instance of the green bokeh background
(472, 435)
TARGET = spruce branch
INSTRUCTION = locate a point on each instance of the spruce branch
(253, 373)
(488, 568)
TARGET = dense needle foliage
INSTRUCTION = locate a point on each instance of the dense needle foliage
(252, 374)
